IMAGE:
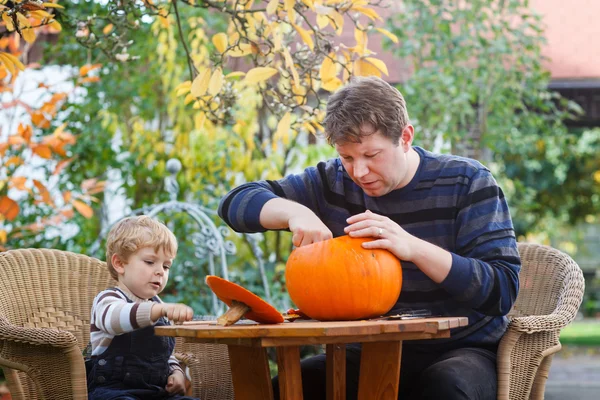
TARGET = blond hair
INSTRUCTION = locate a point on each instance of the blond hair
(133, 233)
(365, 102)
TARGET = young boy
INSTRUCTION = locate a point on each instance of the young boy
(128, 361)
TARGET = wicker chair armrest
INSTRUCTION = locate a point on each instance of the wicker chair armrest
(36, 336)
(539, 323)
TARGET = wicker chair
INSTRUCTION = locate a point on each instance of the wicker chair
(551, 291)
(45, 302)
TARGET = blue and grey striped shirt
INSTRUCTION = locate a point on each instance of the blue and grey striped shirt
(452, 202)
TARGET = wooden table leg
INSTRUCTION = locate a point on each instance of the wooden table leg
(288, 368)
(336, 371)
(250, 373)
(379, 370)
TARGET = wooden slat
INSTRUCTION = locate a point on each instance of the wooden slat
(379, 371)
(336, 371)
(250, 373)
(312, 329)
(273, 342)
(288, 367)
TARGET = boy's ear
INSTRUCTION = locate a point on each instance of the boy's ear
(117, 264)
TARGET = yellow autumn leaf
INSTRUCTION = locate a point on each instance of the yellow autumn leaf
(188, 99)
(365, 68)
(233, 36)
(108, 29)
(8, 21)
(52, 5)
(83, 209)
(259, 74)
(241, 50)
(380, 65)
(8, 63)
(55, 25)
(388, 34)
(338, 22)
(3, 236)
(272, 6)
(369, 12)
(40, 14)
(327, 71)
(283, 127)
(200, 83)
(310, 4)
(288, 5)
(299, 93)
(23, 21)
(28, 34)
(216, 82)
(361, 41)
(332, 85)
(199, 120)
(11, 62)
(183, 88)
(305, 35)
(220, 42)
(309, 128)
(235, 74)
(597, 176)
(289, 63)
(322, 21)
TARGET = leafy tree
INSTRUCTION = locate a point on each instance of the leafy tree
(234, 89)
(34, 191)
(478, 84)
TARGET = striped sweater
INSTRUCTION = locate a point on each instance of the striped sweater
(452, 202)
(113, 315)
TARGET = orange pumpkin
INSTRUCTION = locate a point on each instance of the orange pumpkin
(338, 279)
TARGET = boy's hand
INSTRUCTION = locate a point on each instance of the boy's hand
(176, 383)
(175, 312)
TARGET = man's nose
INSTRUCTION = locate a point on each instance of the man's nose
(360, 169)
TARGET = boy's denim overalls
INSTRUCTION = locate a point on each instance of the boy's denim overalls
(135, 366)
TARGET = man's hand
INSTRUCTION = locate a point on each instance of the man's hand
(176, 383)
(434, 261)
(307, 228)
(304, 224)
(387, 234)
(175, 312)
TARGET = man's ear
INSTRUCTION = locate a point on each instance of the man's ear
(117, 264)
(406, 137)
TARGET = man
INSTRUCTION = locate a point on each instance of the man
(444, 216)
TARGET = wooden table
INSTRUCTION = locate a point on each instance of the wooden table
(380, 358)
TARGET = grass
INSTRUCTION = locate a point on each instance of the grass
(584, 333)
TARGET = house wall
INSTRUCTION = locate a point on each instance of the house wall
(572, 32)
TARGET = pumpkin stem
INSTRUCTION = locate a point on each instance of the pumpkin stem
(234, 314)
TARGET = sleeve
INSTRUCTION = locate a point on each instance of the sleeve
(174, 365)
(485, 264)
(241, 207)
(112, 313)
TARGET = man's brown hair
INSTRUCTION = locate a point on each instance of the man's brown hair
(362, 107)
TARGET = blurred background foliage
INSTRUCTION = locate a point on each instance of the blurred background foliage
(236, 91)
